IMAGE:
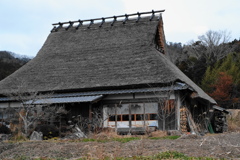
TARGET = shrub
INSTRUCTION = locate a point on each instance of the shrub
(4, 129)
(19, 138)
(48, 131)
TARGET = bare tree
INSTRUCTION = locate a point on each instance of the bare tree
(166, 109)
(212, 46)
(214, 38)
(95, 123)
(31, 111)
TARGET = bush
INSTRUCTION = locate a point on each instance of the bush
(4, 129)
(19, 138)
(48, 131)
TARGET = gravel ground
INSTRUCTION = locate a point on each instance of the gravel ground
(215, 145)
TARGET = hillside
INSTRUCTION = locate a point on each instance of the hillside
(10, 62)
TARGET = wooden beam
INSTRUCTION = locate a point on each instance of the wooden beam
(139, 100)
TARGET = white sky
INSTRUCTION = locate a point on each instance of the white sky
(25, 24)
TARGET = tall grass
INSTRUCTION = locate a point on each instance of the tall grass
(234, 122)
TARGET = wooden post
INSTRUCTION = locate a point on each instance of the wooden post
(60, 124)
(90, 111)
(130, 118)
(164, 121)
(178, 112)
(90, 117)
(2, 112)
(144, 116)
(116, 118)
(159, 119)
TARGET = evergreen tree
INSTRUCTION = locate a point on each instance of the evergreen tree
(209, 79)
(216, 81)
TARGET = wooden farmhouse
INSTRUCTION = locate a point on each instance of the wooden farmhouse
(116, 67)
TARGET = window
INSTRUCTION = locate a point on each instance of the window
(112, 118)
(140, 117)
(125, 117)
(153, 117)
(134, 117)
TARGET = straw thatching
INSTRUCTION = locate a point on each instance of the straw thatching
(100, 57)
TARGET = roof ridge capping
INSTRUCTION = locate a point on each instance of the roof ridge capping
(90, 22)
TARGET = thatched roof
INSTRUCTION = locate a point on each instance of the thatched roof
(113, 55)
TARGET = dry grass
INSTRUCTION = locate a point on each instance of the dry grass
(158, 134)
(105, 135)
(234, 121)
(108, 134)
(233, 125)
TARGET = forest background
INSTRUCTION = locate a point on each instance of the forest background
(212, 62)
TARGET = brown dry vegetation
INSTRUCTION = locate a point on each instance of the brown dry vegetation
(214, 145)
(234, 120)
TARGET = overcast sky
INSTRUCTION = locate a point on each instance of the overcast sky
(25, 24)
